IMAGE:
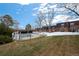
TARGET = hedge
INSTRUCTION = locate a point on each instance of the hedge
(5, 39)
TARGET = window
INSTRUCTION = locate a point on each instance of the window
(62, 24)
(71, 23)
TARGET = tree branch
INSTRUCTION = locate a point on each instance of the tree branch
(72, 10)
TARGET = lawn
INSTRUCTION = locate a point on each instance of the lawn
(43, 46)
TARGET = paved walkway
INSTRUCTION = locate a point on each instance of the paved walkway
(59, 33)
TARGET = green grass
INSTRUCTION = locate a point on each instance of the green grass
(44, 46)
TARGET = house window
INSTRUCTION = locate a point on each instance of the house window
(78, 30)
(53, 27)
(62, 24)
(62, 30)
(71, 23)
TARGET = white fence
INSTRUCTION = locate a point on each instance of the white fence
(27, 36)
(24, 36)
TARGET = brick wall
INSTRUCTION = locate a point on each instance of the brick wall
(61, 27)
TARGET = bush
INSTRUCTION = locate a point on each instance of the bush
(5, 30)
(5, 39)
(8, 32)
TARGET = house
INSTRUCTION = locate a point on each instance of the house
(70, 26)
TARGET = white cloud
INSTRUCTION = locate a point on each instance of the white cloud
(60, 9)
(41, 8)
(34, 14)
(21, 27)
(35, 8)
(62, 18)
(44, 7)
(53, 6)
(59, 19)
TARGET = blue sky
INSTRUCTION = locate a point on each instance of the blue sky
(26, 14)
(22, 13)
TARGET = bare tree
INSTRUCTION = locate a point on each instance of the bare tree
(50, 18)
(16, 24)
(40, 18)
(45, 19)
(73, 7)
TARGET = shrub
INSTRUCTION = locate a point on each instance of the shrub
(5, 30)
(5, 39)
(8, 32)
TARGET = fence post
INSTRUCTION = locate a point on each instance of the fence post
(19, 35)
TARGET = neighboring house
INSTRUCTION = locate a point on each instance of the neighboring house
(68, 26)
(22, 31)
(71, 26)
